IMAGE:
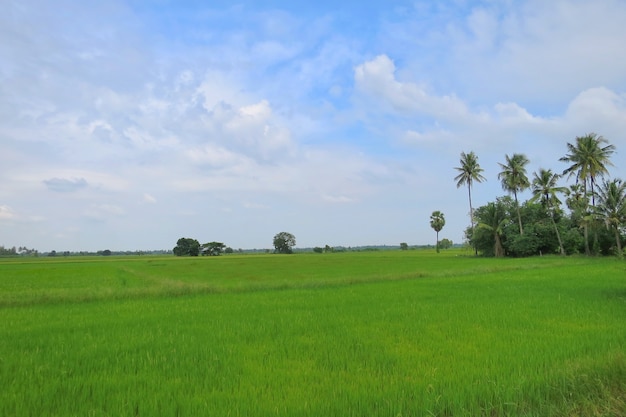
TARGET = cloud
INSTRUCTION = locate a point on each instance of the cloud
(147, 198)
(540, 51)
(6, 213)
(63, 185)
(337, 199)
(377, 78)
(103, 212)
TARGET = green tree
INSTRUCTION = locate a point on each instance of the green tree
(588, 157)
(469, 172)
(492, 219)
(612, 208)
(187, 247)
(284, 242)
(437, 221)
(578, 203)
(213, 248)
(513, 178)
(545, 189)
(404, 246)
(445, 243)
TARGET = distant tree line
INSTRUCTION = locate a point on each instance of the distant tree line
(284, 242)
(19, 251)
(588, 216)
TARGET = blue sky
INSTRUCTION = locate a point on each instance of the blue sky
(129, 124)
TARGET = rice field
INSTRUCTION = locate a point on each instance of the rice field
(409, 333)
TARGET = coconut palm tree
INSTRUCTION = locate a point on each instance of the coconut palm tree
(469, 172)
(437, 221)
(544, 188)
(513, 178)
(612, 207)
(589, 158)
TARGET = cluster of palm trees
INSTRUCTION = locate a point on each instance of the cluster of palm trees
(592, 204)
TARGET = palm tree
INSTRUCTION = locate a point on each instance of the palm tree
(469, 172)
(612, 207)
(544, 188)
(437, 221)
(513, 178)
(493, 219)
(589, 159)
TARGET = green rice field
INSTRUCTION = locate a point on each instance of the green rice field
(406, 333)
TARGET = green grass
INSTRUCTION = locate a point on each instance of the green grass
(347, 334)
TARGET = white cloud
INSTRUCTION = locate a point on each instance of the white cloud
(6, 213)
(337, 199)
(102, 212)
(541, 51)
(148, 198)
(377, 78)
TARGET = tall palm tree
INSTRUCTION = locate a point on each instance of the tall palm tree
(437, 221)
(612, 207)
(589, 158)
(544, 188)
(469, 172)
(513, 178)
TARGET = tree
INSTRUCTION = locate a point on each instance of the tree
(513, 178)
(492, 219)
(578, 203)
(213, 248)
(437, 221)
(445, 243)
(544, 188)
(187, 247)
(469, 172)
(588, 160)
(612, 208)
(404, 246)
(284, 242)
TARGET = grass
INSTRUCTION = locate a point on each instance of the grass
(351, 334)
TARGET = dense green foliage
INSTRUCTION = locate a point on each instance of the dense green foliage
(343, 334)
(284, 242)
(213, 248)
(187, 247)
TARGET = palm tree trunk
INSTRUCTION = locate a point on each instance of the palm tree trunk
(519, 216)
(618, 242)
(498, 250)
(558, 236)
(437, 244)
(469, 193)
(586, 233)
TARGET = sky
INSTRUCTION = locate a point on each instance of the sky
(128, 124)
